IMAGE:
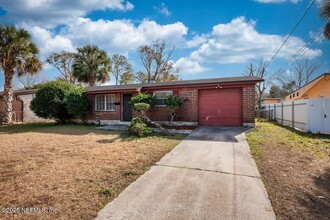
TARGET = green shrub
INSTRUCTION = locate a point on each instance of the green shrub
(49, 101)
(142, 98)
(139, 127)
(173, 102)
(107, 192)
(77, 103)
(130, 173)
(141, 106)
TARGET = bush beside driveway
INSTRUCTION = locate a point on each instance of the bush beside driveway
(295, 168)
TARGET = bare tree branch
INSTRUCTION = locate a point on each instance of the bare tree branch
(63, 63)
(156, 61)
(258, 71)
(299, 76)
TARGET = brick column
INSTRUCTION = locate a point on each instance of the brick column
(248, 105)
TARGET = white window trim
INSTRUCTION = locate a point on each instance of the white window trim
(163, 91)
(105, 103)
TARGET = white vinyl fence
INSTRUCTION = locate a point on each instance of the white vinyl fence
(308, 115)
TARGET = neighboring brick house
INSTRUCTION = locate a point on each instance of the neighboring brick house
(219, 101)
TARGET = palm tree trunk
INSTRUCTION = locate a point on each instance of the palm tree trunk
(8, 97)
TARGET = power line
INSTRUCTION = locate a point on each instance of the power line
(320, 32)
(303, 53)
(302, 50)
(295, 27)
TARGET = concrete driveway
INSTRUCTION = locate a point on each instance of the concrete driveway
(210, 175)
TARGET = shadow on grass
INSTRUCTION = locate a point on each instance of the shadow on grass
(75, 129)
(304, 134)
(317, 202)
(52, 128)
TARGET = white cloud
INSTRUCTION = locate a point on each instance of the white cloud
(196, 41)
(277, 1)
(239, 42)
(50, 13)
(187, 66)
(163, 9)
(49, 42)
(117, 36)
(122, 36)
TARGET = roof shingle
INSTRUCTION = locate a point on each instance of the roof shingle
(240, 79)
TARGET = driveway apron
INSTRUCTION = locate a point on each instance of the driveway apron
(209, 175)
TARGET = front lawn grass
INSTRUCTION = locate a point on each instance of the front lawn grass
(73, 169)
(295, 168)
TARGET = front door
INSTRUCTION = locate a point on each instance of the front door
(127, 109)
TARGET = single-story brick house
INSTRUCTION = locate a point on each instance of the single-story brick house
(218, 101)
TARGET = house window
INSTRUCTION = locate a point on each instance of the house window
(105, 102)
(160, 96)
(293, 95)
(297, 93)
(290, 97)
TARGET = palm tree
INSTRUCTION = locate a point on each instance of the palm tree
(91, 65)
(18, 55)
(325, 12)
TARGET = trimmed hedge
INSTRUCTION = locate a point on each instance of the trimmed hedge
(139, 127)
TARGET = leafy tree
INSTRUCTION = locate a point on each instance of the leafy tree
(141, 77)
(50, 101)
(63, 63)
(288, 87)
(276, 92)
(169, 77)
(143, 98)
(18, 55)
(259, 71)
(325, 12)
(142, 103)
(126, 78)
(156, 61)
(121, 69)
(91, 65)
(173, 103)
(77, 103)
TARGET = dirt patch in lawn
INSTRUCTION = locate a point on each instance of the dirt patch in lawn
(295, 168)
(71, 171)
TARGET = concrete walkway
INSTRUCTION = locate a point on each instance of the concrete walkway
(210, 175)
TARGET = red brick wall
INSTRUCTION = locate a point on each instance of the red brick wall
(104, 115)
(248, 103)
(188, 112)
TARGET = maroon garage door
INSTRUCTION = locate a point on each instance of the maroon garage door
(220, 107)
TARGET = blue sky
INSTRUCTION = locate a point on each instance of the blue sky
(212, 38)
